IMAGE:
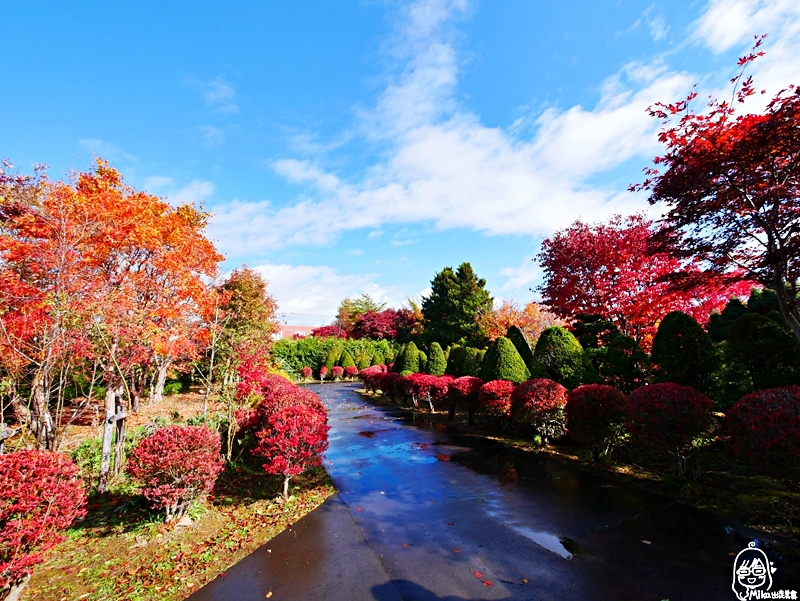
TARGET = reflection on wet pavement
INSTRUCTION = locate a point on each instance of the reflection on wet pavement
(429, 514)
(424, 490)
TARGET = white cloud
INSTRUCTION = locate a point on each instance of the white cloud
(212, 136)
(525, 275)
(440, 164)
(106, 150)
(654, 21)
(220, 95)
(311, 294)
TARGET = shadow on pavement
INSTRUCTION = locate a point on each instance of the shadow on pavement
(410, 591)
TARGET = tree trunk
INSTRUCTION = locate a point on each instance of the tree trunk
(163, 364)
(789, 313)
(112, 392)
(41, 421)
(12, 592)
(119, 447)
(286, 488)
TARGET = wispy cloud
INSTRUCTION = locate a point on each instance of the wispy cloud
(107, 150)
(440, 165)
(310, 294)
(655, 22)
(220, 96)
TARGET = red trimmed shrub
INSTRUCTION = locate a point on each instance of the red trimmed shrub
(765, 426)
(246, 419)
(595, 416)
(323, 372)
(176, 465)
(464, 393)
(351, 371)
(371, 377)
(389, 384)
(538, 406)
(291, 439)
(337, 372)
(494, 398)
(440, 390)
(306, 372)
(668, 417)
(419, 387)
(40, 495)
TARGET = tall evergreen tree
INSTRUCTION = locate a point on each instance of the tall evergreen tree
(458, 298)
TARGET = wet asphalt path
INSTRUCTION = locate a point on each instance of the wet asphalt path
(425, 514)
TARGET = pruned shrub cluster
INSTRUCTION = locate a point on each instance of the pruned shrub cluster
(41, 495)
(764, 426)
(595, 416)
(538, 407)
(175, 466)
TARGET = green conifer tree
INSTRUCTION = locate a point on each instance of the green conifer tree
(437, 364)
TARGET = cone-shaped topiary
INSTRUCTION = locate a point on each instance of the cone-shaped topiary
(331, 358)
(437, 364)
(399, 360)
(378, 359)
(520, 342)
(683, 353)
(347, 360)
(363, 360)
(561, 356)
(408, 359)
(503, 362)
(423, 361)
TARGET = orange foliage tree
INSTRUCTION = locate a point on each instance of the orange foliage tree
(532, 319)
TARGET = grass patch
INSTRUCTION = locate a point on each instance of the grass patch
(124, 551)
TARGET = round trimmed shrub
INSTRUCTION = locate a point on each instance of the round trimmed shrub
(176, 465)
(305, 373)
(323, 372)
(440, 390)
(765, 426)
(596, 415)
(351, 371)
(494, 398)
(408, 360)
(389, 385)
(371, 377)
(463, 393)
(41, 494)
(538, 407)
(561, 356)
(503, 362)
(683, 353)
(337, 372)
(667, 417)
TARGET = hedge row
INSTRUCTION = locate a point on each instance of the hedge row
(667, 417)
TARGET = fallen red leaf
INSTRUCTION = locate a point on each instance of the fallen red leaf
(487, 583)
(456, 550)
(478, 574)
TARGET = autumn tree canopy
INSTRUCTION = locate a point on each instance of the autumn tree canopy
(731, 184)
(532, 320)
(623, 279)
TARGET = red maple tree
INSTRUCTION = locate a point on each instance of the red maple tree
(732, 186)
(612, 269)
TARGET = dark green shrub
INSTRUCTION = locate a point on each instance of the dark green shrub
(437, 364)
(332, 358)
(363, 360)
(172, 387)
(408, 360)
(422, 361)
(593, 331)
(622, 364)
(456, 361)
(520, 342)
(719, 324)
(683, 353)
(472, 362)
(763, 301)
(399, 360)
(561, 356)
(768, 352)
(503, 362)
(378, 359)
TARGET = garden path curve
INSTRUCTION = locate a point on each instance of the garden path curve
(427, 514)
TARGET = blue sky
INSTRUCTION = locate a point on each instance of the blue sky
(359, 147)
